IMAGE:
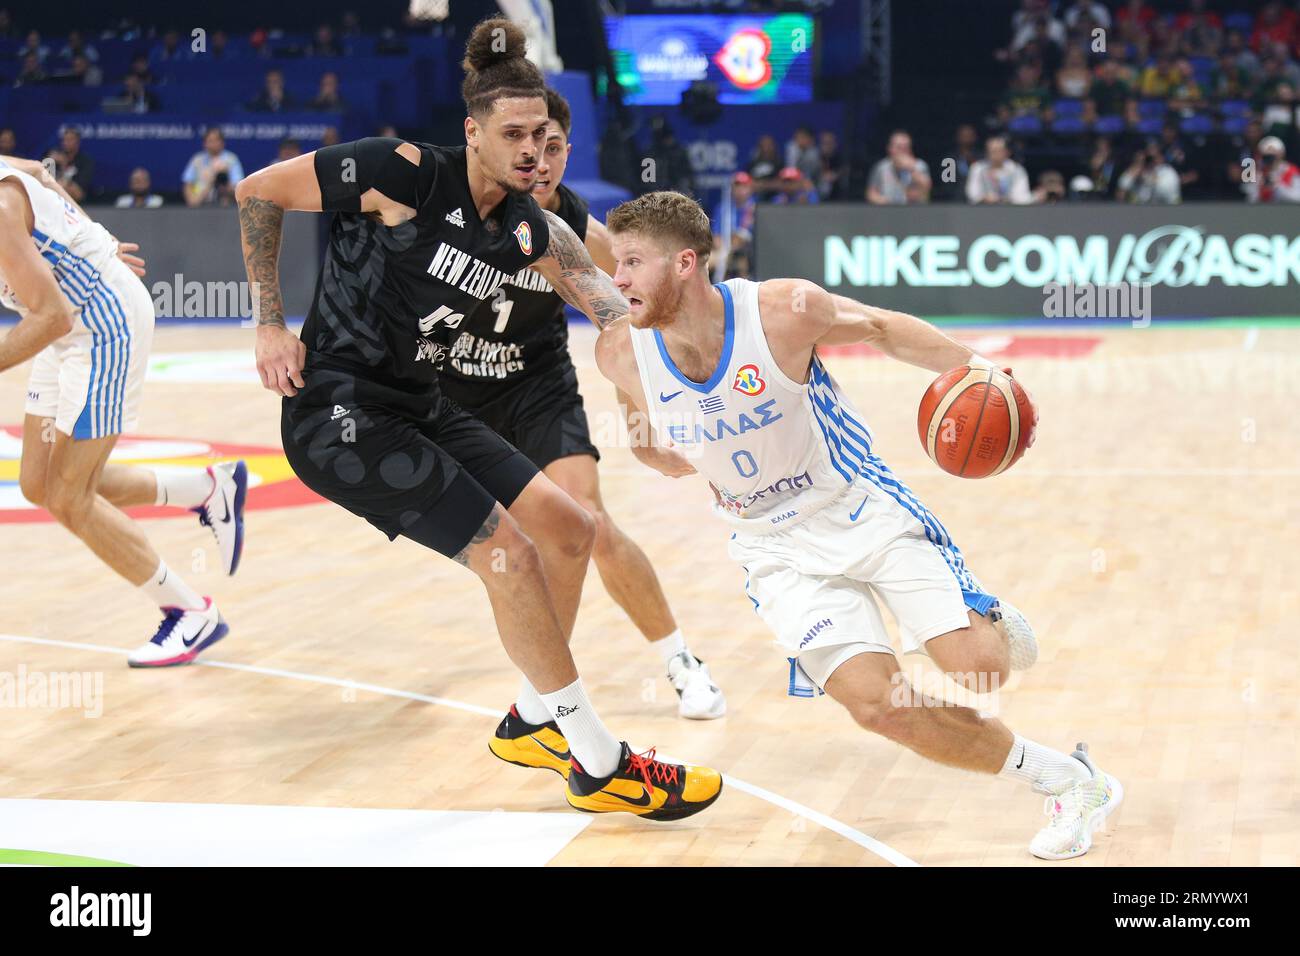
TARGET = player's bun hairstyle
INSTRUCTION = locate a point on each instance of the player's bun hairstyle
(495, 67)
(557, 108)
(668, 217)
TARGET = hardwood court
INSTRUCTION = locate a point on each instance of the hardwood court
(1149, 535)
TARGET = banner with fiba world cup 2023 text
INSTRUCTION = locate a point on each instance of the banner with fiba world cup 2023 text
(1211, 259)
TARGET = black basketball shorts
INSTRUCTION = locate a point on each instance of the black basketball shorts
(542, 416)
(431, 474)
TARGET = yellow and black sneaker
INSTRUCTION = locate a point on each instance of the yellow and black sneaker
(645, 786)
(531, 745)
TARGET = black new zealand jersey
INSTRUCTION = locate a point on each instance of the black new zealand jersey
(391, 300)
(517, 333)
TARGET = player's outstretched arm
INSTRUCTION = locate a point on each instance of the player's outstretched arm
(897, 334)
(616, 362)
(47, 314)
(568, 267)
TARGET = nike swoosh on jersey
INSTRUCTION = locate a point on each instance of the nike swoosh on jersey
(669, 398)
(854, 515)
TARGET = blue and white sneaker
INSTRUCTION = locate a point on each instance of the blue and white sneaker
(223, 512)
(1077, 812)
(181, 636)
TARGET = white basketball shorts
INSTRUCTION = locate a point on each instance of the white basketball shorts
(815, 584)
(90, 380)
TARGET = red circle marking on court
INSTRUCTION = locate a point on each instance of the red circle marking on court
(276, 485)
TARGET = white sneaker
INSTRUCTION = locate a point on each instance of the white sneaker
(223, 512)
(1020, 637)
(1076, 812)
(699, 697)
(181, 636)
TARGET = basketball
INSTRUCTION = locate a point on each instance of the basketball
(976, 422)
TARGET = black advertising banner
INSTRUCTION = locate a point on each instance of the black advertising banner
(1211, 259)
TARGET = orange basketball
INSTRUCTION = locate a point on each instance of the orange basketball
(976, 422)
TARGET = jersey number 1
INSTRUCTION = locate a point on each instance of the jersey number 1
(501, 306)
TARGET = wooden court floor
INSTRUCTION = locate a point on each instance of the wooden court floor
(1150, 535)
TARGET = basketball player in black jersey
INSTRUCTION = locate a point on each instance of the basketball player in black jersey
(510, 367)
(422, 234)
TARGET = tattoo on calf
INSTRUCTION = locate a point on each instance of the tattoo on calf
(485, 531)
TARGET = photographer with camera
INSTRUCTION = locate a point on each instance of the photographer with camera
(1149, 179)
(1275, 179)
(212, 173)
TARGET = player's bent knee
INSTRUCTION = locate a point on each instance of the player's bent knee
(33, 489)
(876, 712)
(68, 505)
(576, 533)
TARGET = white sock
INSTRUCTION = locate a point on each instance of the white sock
(670, 646)
(167, 589)
(1044, 769)
(184, 489)
(530, 706)
(594, 746)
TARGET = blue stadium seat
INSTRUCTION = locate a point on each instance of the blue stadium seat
(1151, 109)
(1234, 108)
(1109, 125)
(1068, 108)
(1233, 125)
(1029, 123)
(1198, 123)
(1150, 127)
(1241, 20)
(1069, 125)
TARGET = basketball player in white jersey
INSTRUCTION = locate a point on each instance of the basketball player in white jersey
(88, 321)
(730, 375)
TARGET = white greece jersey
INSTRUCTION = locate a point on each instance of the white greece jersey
(88, 381)
(776, 450)
(78, 249)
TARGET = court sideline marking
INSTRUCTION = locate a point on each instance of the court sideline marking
(871, 844)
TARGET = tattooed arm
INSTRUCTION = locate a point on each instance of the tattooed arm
(567, 266)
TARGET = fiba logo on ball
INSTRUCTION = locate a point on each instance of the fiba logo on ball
(976, 422)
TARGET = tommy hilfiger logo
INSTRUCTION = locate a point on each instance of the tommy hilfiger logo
(339, 412)
(456, 218)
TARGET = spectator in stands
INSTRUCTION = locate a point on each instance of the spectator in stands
(998, 179)
(1136, 14)
(833, 181)
(1246, 146)
(170, 50)
(140, 195)
(1102, 168)
(1087, 10)
(34, 45)
(1159, 77)
(1279, 117)
(140, 67)
(1149, 180)
(136, 97)
(1026, 96)
(327, 97)
(1241, 52)
(330, 137)
(1228, 81)
(212, 173)
(324, 43)
(217, 45)
(273, 97)
(801, 152)
(900, 178)
(1200, 30)
(1051, 188)
(1073, 80)
(6, 24)
(1275, 179)
(75, 171)
(965, 153)
(83, 72)
(388, 130)
(32, 73)
(1171, 148)
(764, 163)
(795, 187)
(1274, 23)
(1109, 92)
(289, 148)
(350, 24)
(1042, 30)
(742, 211)
(75, 46)
(8, 142)
(1185, 93)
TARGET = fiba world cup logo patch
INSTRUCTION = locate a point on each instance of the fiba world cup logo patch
(524, 233)
(747, 381)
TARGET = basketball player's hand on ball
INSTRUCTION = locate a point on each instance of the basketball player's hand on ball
(280, 358)
(132, 262)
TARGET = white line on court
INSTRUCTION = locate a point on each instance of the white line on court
(1252, 336)
(871, 844)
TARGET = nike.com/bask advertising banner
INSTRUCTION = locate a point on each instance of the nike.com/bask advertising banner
(1199, 260)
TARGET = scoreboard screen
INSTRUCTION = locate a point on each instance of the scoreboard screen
(752, 59)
